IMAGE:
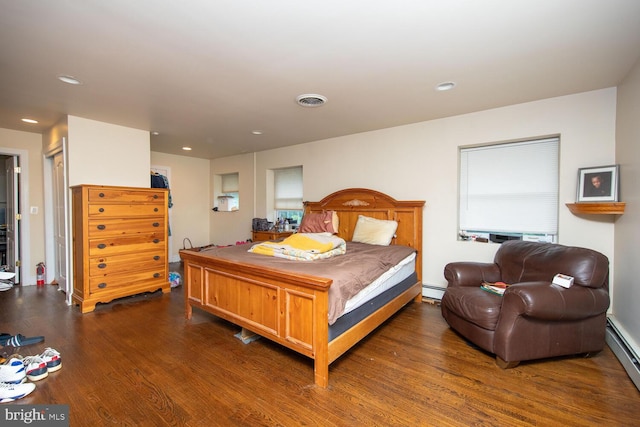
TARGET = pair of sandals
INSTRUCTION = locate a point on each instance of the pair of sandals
(19, 340)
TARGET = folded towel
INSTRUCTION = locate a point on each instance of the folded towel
(303, 246)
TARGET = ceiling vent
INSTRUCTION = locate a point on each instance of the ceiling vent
(311, 100)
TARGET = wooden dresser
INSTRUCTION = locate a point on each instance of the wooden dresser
(258, 236)
(119, 243)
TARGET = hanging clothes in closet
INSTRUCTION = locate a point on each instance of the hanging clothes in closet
(161, 181)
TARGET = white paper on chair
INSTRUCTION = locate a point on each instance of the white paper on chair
(563, 280)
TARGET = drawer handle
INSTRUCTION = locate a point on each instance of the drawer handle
(102, 246)
(156, 258)
(101, 194)
(156, 224)
(156, 240)
(155, 196)
(101, 210)
(102, 227)
(102, 265)
(156, 275)
(155, 209)
(102, 285)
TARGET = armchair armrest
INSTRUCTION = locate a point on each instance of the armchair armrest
(471, 273)
(544, 301)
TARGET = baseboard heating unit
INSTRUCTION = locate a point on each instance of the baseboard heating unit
(624, 352)
(432, 292)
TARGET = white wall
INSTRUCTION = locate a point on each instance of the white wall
(420, 161)
(626, 298)
(189, 187)
(105, 154)
(227, 228)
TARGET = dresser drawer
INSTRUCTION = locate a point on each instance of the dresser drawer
(118, 264)
(126, 244)
(97, 195)
(132, 279)
(104, 227)
(104, 210)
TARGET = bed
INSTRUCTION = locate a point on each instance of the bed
(292, 307)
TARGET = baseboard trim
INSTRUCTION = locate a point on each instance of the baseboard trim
(623, 352)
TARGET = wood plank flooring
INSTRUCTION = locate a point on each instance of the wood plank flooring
(138, 362)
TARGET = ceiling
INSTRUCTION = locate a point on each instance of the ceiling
(206, 73)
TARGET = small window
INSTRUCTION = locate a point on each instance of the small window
(288, 194)
(228, 192)
(509, 191)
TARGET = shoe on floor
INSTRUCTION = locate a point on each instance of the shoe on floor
(52, 358)
(11, 392)
(13, 371)
(18, 340)
(36, 368)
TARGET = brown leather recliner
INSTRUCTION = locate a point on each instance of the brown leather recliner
(533, 319)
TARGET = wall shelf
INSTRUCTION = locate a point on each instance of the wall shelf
(604, 208)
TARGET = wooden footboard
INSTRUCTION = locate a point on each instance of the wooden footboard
(287, 308)
(291, 308)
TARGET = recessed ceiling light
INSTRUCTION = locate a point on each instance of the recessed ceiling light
(155, 133)
(69, 79)
(311, 100)
(445, 86)
(257, 132)
(30, 121)
(186, 148)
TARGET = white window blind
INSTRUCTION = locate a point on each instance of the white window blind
(288, 188)
(229, 183)
(510, 188)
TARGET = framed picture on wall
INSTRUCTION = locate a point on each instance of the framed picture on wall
(598, 184)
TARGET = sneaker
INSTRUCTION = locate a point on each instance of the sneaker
(36, 368)
(52, 358)
(13, 371)
(11, 392)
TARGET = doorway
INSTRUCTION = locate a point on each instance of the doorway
(14, 223)
(57, 219)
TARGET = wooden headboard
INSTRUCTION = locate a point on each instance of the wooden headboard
(351, 202)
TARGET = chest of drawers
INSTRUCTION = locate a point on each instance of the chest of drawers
(119, 243)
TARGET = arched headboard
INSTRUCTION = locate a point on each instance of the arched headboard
(352, 202)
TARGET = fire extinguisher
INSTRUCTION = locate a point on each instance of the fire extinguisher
(40, 274)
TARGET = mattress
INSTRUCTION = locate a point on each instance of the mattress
(355, 316)
(387, 280)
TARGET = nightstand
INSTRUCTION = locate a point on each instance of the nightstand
(259, 236)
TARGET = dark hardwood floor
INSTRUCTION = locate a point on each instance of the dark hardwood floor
(138, 362)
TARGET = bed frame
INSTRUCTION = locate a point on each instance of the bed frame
(291, 308)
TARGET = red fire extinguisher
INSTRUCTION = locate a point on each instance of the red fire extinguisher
(40, 274)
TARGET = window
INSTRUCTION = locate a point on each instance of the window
(288, 193)
(228, 194)
(510, 190)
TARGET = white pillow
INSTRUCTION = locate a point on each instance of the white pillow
(374, 231)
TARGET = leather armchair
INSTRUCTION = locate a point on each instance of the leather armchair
(533, 319)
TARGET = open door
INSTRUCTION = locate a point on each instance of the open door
(59, 220)
(13, 209)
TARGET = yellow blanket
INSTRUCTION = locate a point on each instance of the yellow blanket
(303, 246)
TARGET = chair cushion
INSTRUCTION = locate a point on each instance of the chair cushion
(521, 261)
(473, 304)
